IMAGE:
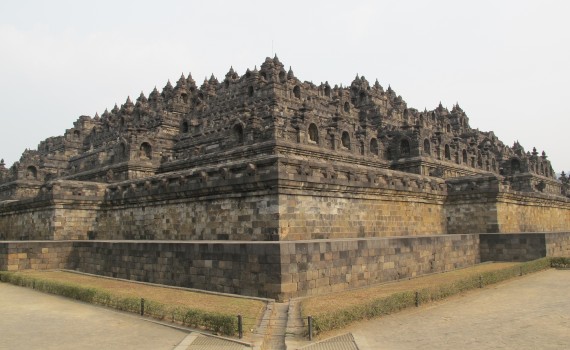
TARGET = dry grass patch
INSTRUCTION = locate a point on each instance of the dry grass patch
(346, 299)
(176, 297)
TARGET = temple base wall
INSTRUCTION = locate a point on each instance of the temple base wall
(280, 270)
(328, 217)
(523, 246)
(485, 205)
(323, 266)
(247, 218)
(35, 255)
(532, 214)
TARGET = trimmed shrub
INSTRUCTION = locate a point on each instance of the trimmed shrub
(383, 306)
(560, 262)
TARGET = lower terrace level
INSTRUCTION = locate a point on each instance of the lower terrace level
(282, 269)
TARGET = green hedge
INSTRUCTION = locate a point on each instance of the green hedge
(561, 263)
(219, 323)
(383, 306)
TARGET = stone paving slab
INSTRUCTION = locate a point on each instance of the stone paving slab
(203, 342)
(33, 320)
(531, 312)
(341, 342)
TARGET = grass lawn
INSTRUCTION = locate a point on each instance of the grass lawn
(345, 299)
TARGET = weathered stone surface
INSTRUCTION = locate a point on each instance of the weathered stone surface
(314, 188)
(280, 270)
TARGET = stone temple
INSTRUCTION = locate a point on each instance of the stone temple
(266, 185)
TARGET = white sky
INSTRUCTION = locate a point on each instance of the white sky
(507, 63)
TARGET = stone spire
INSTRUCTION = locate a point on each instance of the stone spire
(142, 98)
(377, 86)
(181, 83)
(190, 82)
(290, 74)
(167, 90)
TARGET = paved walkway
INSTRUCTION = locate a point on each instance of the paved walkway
(277, 327)
(532, 312)
(34, 320)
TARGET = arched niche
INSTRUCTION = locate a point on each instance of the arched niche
(237, 134)
(313, 133)
(374, 147)
(185, 127)
(405, 147)
(31, 172)
(146, 151)
(297, 91)
(345, 140)
(427, 147)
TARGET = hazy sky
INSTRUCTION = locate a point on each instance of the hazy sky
(507, 63)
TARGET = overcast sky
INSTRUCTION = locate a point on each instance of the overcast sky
(507, 63)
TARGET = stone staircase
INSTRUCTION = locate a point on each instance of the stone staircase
(275, 339)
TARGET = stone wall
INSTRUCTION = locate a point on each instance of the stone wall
(280, 270)
(64, 210)
(19, 222)
(487, 205)
(319, 201)
(558, 244)
(524, 246)
(252, 217)
(266, 269)
(517, 212)
(36, 255)
(512, 247)
(470, 204)
(331, 215)
(323, 266)
(229, 267)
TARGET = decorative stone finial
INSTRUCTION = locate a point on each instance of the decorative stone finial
(190, 81)
(181, 82)
(290, 74)
(142, 98)
(377, 86)
(168, 85)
